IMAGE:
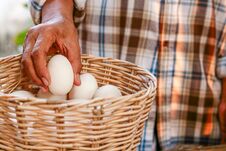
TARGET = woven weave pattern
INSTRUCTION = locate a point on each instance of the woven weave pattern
(101, 124)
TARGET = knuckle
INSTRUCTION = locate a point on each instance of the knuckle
(26, 50)
(41, 73)
(35, 53)
(40, 28)
(31, 30)
(45, 29)
(24, 61)
(30, 37)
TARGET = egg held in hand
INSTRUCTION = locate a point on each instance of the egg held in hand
(86, 89)
(61, 75)
(22, 93)
(108, 91)
(49, 96)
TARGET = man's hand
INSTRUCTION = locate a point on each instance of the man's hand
(222, 112)
(56, 33)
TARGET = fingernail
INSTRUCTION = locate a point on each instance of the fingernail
(46, 83)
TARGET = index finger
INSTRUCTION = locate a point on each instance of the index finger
(39, 56)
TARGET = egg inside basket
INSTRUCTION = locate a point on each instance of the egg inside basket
(100, 124)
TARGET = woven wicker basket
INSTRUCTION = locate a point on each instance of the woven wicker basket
(39, 124)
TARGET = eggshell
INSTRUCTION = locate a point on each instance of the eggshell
(107, 91)
(87, 88)
(61, 75)
(23, 94)
(49, 96)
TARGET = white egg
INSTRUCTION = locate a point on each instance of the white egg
(49, 96)
(23, 94)
(108, 91)
(61, 75)
(87, 88)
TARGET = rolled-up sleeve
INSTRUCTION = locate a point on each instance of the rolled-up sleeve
(36, 9)
(221, 61)
(220, 11)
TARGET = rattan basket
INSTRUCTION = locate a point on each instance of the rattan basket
(112, 124)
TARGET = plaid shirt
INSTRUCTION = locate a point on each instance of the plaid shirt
(182, 42)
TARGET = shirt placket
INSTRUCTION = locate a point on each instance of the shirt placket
(166, 66)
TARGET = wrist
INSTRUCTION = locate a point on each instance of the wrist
(57, 10)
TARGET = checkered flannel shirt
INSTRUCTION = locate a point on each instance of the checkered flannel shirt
(182, 42)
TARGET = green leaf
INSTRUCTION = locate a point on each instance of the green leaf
(25, 5)
(20, 37)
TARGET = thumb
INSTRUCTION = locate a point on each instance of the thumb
(74, 57)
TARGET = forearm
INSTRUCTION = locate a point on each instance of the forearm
(56, 9)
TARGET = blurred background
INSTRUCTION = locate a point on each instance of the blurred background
(15, 20)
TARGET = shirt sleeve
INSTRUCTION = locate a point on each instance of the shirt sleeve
(221, 62)
(220, 11)
(36, 9)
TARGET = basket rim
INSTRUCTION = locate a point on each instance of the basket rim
(152, 84)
